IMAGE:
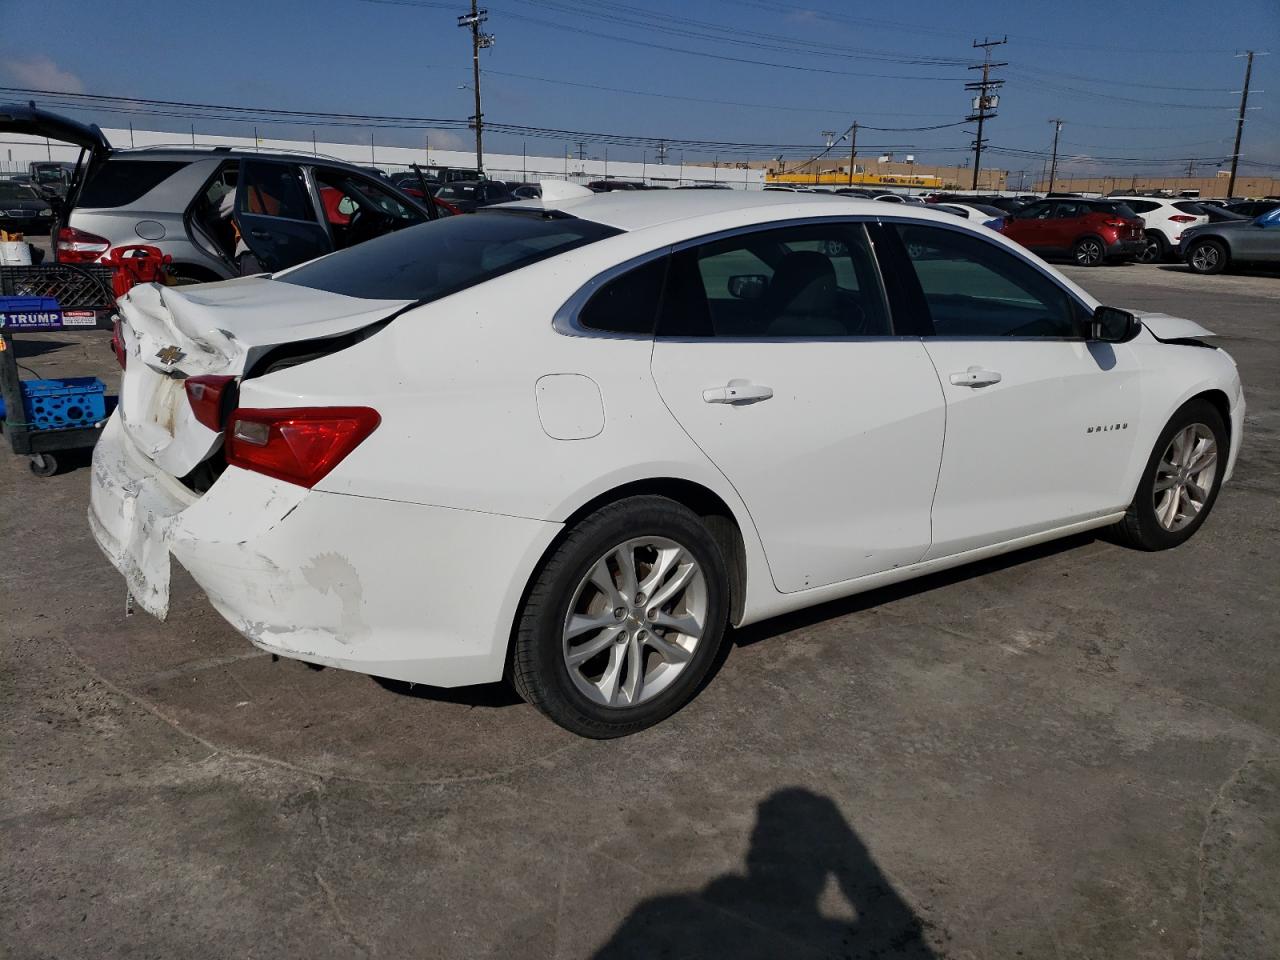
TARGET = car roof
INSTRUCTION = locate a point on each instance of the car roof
(639, 209)
(204, 153)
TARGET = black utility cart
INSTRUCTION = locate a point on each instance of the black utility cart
(46, 417)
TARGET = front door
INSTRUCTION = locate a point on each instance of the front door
(1039, 420)
(776, 355)
(276, 218)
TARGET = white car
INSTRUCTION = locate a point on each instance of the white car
(978, 212)
(1165, 219)
(571, 441)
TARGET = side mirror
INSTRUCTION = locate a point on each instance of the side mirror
(749, 286)
(1113, 325)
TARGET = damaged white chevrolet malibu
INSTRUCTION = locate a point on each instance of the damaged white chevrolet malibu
(570, 441)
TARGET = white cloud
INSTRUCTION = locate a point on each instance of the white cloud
(445, 140)
(41, 73)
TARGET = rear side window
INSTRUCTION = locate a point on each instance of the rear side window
(274, 190)
(629, 303)
(433, 260)
(1116, 208)
(117, 183)
(1141, 206)
(1190, 206)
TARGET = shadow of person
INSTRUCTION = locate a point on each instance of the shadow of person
(800, 843)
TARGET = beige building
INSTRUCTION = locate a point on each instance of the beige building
(831, 171)
(1208, 186)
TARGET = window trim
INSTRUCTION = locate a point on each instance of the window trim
(1084, 309)
(566, 320)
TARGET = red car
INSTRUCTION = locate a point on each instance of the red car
(1090, 232)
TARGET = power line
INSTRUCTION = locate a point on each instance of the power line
(791, 108)
(683, 50)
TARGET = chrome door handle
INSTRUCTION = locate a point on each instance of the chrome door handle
(737, 391)
(975, 377)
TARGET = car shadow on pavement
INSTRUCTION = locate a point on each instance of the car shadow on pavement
(781, 905)
(25, 347)
(766, 629)
(500, 694)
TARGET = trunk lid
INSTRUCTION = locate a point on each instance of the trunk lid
(172, 333)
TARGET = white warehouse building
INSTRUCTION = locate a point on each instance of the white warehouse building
(17, 151)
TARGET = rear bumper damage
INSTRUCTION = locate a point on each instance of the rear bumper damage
(407, 591)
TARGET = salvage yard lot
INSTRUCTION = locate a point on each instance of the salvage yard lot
(1073, 751)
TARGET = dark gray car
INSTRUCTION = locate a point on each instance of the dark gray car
(1215, 246)
(218, 212)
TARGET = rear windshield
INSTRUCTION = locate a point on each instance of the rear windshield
(117, 183)
(1116, 207)
(16, 191)
(433, 260)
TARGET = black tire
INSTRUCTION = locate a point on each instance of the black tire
(1156, 249)
(1141, 528)
(1207, 257)
(539, 671)
(1089, 252)
(43, 464)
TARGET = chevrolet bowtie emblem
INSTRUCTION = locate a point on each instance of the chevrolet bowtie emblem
(169, 355)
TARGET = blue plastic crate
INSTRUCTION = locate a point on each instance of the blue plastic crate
(67, 402)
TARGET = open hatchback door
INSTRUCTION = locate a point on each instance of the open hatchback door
(31, 120)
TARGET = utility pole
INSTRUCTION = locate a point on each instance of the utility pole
(1244, 105)
(1053, 166)
(662, 152)
(985, 103)
(479, 41)
(582, 150)
(853, 149)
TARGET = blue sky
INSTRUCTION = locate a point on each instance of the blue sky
(1132, 80)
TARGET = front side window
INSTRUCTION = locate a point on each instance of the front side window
(275, 190)
(801, 282)
(1036, 211)
(973, 288)
(432, 260)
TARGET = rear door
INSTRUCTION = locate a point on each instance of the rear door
(775, 354)
(1039, 420)
(276, 218)
(1064, 225)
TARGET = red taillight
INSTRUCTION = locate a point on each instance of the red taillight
(209, 397)
(1182, 218)
(117, 344)
(77, 246)
(299, 445)
(1117, 223)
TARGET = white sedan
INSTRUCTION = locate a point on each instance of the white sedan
(571, 441)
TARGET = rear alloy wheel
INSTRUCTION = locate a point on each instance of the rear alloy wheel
(1207, 256)
(1181, 481)
(623, 622)
(1155, 250)
(1088, 252)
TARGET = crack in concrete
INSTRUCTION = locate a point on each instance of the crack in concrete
(339, 920)
(322, 775)
(1201, 862)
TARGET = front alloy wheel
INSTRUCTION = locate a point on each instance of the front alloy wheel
(1181, 481)
(1185, 476)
